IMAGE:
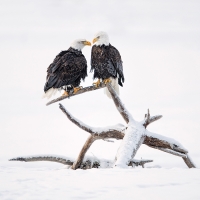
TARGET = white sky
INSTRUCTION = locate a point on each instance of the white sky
(159, 42)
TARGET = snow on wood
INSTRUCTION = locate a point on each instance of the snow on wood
(88, 162)
(170, 151)
(90, 129)
(168, 141)
(134, 137)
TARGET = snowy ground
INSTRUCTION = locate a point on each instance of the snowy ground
(45, 180)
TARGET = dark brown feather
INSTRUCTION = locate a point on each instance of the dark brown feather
(68, 68)
(106, 62)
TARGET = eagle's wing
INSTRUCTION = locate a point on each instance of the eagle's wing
(55, 64)
(115, 58)
(67, 69)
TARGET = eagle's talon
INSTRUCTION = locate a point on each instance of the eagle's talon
(108, 80)
(76, 89)
(65, 94)
(97, 84)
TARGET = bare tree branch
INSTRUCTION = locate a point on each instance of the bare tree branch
(119, 105)
(102, 133)
(170, 151)
(157, 142)
(44, 158)
(83, 90)
(151, 120)
(154, 118)
(189, 162)
(87, 164)
(139, 162)
(83, 151)
(75, 121)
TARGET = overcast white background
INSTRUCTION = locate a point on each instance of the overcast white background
(159, 42)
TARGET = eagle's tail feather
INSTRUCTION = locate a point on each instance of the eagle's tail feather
(115, 85)
(50, 93)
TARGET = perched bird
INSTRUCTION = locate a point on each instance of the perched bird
(67, 70)
(106, 63)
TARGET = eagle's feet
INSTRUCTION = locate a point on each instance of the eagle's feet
(108, 80)
(76, 89)
(97, 84)
(65, 94)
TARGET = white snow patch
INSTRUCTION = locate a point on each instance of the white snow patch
(130, 142)
(47, 180)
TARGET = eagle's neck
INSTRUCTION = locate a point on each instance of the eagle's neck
(102, 41)
(78, 52)
(77, 46)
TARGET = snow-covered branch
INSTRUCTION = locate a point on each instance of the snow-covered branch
(115, 131)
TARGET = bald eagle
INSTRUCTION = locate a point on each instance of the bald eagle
(106, 62)
(67, 70)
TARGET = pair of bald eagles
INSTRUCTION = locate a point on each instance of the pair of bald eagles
(69, 67)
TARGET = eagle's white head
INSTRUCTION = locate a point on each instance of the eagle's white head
(101, 38)
(79, 44)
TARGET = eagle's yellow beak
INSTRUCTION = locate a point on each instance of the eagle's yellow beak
(87, 43)
(95, 39)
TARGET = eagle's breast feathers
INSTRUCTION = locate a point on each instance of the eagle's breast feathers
(106, 62)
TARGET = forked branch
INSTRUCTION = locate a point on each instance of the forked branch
(115, 132)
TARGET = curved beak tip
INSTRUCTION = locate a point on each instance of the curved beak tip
(87, 43)
(94, 40)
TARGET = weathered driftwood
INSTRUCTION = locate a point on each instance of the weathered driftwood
(44, 158)
(87, 164)
(107, 132)
(151, 141)
(115, 132)
(84, 149)
(134, 135)
(148, 119)
(170, 151)
(139, 162)
(189, 162)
